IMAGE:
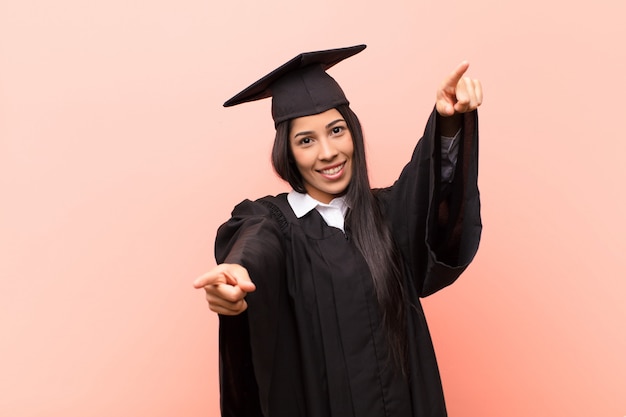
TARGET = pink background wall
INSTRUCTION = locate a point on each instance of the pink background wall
(117, 164)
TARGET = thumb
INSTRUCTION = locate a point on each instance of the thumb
(241, 278)
(247, 286)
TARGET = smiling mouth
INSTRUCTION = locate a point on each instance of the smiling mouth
(333, 170)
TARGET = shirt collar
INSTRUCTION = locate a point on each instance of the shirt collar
(301, 203)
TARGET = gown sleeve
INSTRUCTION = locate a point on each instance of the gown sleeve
(252, 239)
(436, 224)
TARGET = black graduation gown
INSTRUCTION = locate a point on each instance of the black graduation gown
(311, 342)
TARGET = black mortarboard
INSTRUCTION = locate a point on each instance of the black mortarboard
(300, 87)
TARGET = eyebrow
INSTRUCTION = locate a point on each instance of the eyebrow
(328, 126)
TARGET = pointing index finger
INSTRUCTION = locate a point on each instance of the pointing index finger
(208, 278)
(455, 76)
(218, 275)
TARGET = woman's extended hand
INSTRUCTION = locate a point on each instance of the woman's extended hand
(226, 286)
(458, 94)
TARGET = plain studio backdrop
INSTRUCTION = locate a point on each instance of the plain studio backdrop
(118, 163)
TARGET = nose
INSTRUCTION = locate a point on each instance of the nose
(328, 151)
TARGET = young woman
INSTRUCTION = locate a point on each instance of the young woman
(318, 290)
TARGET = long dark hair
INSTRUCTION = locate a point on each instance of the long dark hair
(368, 229)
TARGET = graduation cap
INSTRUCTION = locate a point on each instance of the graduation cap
(300, 87)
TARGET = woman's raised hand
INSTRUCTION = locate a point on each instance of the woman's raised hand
(226, 287)
(458, 94)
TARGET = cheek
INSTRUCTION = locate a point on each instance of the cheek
(350, 154)
(349, 149)
(300, 159)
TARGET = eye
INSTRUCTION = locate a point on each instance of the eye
(336, 130)
(305, 141)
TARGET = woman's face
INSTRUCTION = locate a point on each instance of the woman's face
(322, 148)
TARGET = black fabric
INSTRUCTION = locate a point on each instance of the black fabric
(301, 86)
(311, 341)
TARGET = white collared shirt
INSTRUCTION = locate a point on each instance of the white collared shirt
(333, 213)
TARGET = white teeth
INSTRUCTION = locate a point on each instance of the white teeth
(332, 171)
